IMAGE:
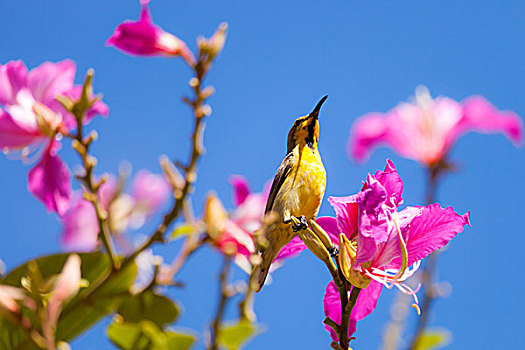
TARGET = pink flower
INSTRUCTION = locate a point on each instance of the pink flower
(144, 38)
(426, 129)
(30, 119)
(80, 225)
(386, 246)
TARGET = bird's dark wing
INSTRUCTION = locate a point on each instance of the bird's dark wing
(282, 173)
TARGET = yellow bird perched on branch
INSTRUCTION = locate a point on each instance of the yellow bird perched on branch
(297, 190)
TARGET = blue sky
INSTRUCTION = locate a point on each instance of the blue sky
(279, 59)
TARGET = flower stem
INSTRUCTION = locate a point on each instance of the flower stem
(223, 298)
(347, 305)
(427, 275)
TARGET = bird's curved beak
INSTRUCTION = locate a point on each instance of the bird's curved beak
(315, 112)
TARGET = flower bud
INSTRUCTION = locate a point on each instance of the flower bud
(321, 234)
(347, 255)
(312, 242)
(144, 38)
(173, 175)
(215, 216)
(67, 285)
(216, 42)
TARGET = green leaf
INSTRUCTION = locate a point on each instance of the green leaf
(149, 306)
(433, 339)
(182, 230)
(233, 336)
(127, 336)
(146, 335)
(180, 341)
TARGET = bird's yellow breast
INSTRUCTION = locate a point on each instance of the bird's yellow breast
(303, 190)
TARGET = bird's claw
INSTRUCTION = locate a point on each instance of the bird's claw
(303, 224)
(334, 252)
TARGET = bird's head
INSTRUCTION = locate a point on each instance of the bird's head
(305, 130)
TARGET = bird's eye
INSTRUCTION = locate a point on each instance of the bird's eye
(304, 127)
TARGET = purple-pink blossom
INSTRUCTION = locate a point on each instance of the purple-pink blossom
(144, 38)
(80, 225)
(386, 245)
(30, 119)
(426, 130)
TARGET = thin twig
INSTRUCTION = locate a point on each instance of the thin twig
(225, 294)
(82, 145)
(197, 150)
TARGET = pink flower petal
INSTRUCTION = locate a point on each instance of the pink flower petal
(482, 116)
(292, 249)
(14, 135)
(241, 189)
(374, 220)
(431, 230)
(368, 132)
(13, 77)
(51, 79)
(80, 227)
(391, 249)
(332, 307)
(366, 303)
(236, 236)
(329, 224)
(49, 181)
(392, 183)
(346, 211)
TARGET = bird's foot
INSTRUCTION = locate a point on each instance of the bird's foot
(303, 224)
(334, 252)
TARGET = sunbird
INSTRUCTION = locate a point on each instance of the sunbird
(297, 190)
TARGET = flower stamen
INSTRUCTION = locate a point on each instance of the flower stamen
(404, 252)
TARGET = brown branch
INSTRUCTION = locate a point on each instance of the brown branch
(197, 149)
